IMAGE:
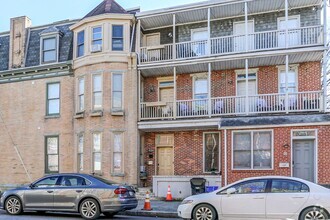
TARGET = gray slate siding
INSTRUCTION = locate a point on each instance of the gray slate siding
(65, 46)
(220, 28)
(4, 53)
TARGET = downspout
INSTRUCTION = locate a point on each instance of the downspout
(225, 167)
(132, 37)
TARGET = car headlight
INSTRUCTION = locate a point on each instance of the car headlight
(187, 202)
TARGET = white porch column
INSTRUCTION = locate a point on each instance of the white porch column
(247, 86)
(138, 40)
(209, 90)
(209, 31)
(174, 96)
(174, 41)
(225, 163)
(246, 26)
(324, 81)
(286, 84)
(286, 23)
(139, 95)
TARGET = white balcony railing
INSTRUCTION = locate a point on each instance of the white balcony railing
(234, 105)
(258, 41)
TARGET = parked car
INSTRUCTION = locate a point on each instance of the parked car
(89, 195)
(271, 197)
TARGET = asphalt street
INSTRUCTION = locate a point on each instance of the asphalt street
(65, 216)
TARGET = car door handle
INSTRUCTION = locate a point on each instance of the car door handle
(259, 198)
(78, 191)
(50, 191)
(298, 197)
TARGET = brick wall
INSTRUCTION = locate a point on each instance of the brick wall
(224, 82)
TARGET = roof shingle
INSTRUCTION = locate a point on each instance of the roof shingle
(107, 6)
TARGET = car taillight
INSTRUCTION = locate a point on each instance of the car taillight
(120, 191)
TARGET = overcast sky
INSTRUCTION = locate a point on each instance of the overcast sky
(47, 11)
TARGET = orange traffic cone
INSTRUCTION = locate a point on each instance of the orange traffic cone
(147, 205)
(169, 195)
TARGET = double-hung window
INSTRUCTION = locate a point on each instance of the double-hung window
(117, 91)
(117, 38)
(211, 152)
(52, 159)
(53, 99)
(97, 36)
(200, 93)
(118, 153)
(97, 91)
(97, 155)
(292, 81)
(80, 158)
(49, 51)
(80, 43)
(253, 150)
(81, 94)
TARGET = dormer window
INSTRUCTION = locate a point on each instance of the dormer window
(97, 39)
(80, 43)
(49, 50)
(49, 45)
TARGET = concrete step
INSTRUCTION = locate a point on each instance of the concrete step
(142, 192)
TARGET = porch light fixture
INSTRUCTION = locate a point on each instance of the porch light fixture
(151, 88)
(170, 35)
(286, 145)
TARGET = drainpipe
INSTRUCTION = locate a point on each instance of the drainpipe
(132, 37)
(225, 164)
(325, 60)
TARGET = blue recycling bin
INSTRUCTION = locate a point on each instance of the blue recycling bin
(211, 188)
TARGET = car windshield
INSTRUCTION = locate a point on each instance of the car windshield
(108, 182)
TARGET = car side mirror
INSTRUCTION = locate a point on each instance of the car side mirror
(31, 185)
(231, 191)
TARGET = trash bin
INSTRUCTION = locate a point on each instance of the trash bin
(197, 185)
(211, 188)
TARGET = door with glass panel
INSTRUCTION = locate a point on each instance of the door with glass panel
(239, 36)
(200, 103)
(199, 41)
(294, 34)
(292, 89)
(241, 93)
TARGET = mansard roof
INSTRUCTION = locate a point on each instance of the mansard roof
(107, 6)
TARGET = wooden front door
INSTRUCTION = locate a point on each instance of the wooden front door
(165, 161)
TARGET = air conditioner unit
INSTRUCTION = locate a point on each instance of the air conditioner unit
(96, 48)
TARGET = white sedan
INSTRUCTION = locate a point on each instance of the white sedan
(271, 197)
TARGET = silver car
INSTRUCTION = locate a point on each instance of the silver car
(89, 195)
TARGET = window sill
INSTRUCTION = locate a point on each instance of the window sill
(79, 115)
(117, 174)
(52, 116)
(96, 113)
(117, 112)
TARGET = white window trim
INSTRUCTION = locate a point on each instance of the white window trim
(122, 152)
(251, 131)
(164, 79)
(78, 94)
(197, 76)
(295, 68)
(239, 22)
(204, 151)
(76, 44)
(57, 44)
(279, 19)
(242, 72)
(47, 171)
(316, 149)
(102, 35)
(101, 147)
(80, 153)
(92, 92)
(122, 90)
(145, 36)
(192, 31)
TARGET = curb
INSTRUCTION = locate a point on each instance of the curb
(151, 213)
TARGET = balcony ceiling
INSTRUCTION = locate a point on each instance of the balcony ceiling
(198, 12)
(234, 64)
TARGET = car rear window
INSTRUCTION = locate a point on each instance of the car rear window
(108, 182)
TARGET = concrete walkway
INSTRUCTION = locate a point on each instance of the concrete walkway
(159, 209)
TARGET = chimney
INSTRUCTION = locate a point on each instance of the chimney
(18, 35)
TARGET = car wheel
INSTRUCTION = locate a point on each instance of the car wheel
(314, 213)
(109, 214)
(13, 205)
(204, 212)
(89, 209)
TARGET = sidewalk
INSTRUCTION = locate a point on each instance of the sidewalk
(159, 209)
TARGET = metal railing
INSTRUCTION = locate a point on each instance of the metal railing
(234, 105)
(265, 40)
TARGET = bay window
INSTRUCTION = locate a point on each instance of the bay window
(97, 36)
(117, 38)
(253, 150)
(80, 43)
(81, 94)
(97, 155)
